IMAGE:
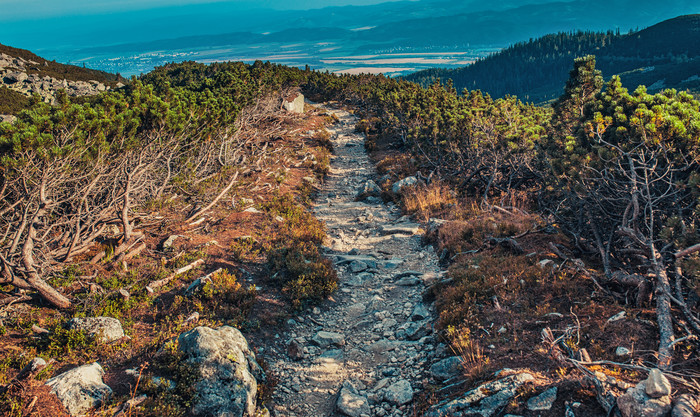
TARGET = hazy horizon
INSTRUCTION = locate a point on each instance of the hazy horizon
(20, 10)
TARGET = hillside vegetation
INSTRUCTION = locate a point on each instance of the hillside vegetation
(113, 206)
(662, 56)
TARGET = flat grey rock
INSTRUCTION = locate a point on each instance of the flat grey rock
(544, 401)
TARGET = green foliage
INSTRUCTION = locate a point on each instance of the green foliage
(224, 298)
(536, 69)
(304, 273)
(162, 399)
(626, 167)
(67, 344)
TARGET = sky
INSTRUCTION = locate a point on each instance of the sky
(13, 10)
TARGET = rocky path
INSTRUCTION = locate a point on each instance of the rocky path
(366, 351)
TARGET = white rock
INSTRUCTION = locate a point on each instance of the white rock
(81, 389)
(622, 351)
(657, 385)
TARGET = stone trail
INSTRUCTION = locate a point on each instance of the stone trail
(366, 351)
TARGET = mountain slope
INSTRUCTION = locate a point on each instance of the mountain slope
(23, 73)
(666, 55)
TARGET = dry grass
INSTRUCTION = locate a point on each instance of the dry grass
(428, 201)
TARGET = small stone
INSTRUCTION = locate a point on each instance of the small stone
(358, 266)
(420, 312)
(192, 317)
(368, 189)
(543, 401)
(544, 263)
(417, 330)
(657, 385)
(399, 185)
(295, 350)
(168, 243)
(408, 282)
(399, 393)
(325, 339)
(622, 351)
(619, 316)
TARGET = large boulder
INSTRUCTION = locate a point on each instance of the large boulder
(15, 77)
(104, 329)
(295, 104)
(228, 371)
(81, 389)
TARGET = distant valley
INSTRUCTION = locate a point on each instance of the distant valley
(395, 38)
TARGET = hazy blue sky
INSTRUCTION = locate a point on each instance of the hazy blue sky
(20, 9)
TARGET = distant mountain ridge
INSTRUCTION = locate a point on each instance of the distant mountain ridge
(135, 42)
(665, 55)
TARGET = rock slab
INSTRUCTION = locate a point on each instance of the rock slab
(544, 401)
(228, 370)
(81, 389)
(485, 400)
